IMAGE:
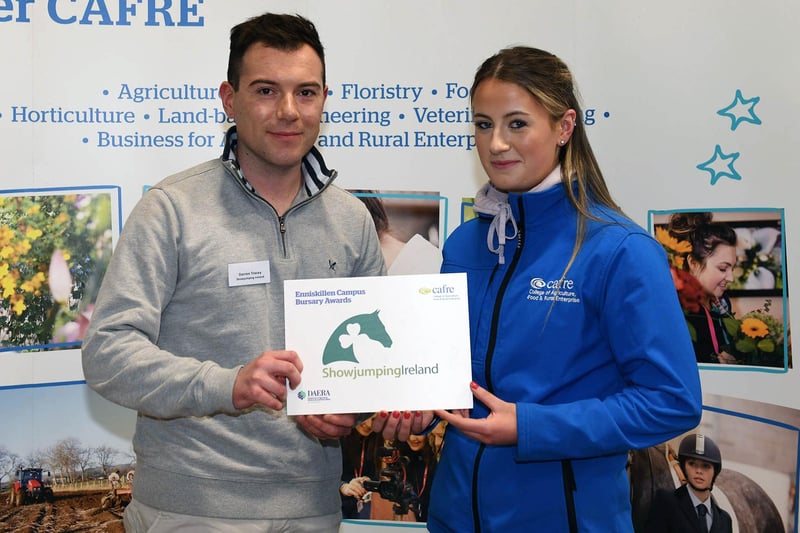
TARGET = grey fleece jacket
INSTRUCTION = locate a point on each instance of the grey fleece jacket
(168, 336)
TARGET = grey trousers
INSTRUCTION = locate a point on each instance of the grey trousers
(141, 518)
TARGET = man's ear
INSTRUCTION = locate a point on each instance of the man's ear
(226, 94)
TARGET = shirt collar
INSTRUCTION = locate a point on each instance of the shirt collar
(316, 175)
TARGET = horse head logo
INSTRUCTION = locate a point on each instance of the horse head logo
(354, 332)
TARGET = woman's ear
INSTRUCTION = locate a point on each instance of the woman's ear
(693, 264)
(567, 126)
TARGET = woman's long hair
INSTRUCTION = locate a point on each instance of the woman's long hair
(548, 79)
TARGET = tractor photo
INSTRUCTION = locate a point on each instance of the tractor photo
(30, 487)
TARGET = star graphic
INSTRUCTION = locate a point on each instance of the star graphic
(721, 165)
(737, 109)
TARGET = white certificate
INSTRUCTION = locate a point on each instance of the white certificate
(379, 343)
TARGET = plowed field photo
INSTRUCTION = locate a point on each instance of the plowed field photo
(69, 512)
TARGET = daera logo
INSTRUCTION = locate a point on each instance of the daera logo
(314, 395)
(355, 329)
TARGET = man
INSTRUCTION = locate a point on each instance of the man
(691, 508)
(189, 325)
(113, 479)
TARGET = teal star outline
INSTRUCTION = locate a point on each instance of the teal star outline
(738, 119)
(715, 175)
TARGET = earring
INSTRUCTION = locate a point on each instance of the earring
(562, 141)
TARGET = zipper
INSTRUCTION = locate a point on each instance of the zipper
(281, 218)
(476, 515)
(476, 518)
(569, 494)
(282, 229)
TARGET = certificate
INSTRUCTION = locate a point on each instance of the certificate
(394, 343)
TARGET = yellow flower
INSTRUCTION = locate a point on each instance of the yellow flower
(754, 328)
(38, 279)
(9, 285)
(33, 233)
(32, 210)
(61, 218)
(6, 235)
(23, 247)
(668, 241)
(18, 304)
(6, 252)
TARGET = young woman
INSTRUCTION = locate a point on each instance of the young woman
(711, 262)
(579, 347)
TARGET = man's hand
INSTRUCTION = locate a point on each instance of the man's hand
(263, 380)
(327, 427)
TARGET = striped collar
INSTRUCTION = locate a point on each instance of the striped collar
(316, 176)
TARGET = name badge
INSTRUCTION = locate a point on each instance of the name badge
(254, 273)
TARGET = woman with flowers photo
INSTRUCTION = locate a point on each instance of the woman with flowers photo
(703, 259)
(702, 255)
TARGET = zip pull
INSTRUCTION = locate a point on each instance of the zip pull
(282, 221)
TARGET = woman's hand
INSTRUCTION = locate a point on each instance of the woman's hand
(400, 424)
(499, 428)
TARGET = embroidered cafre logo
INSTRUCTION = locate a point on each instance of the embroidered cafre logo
(538, 283)
(359, 334)
(556, 290)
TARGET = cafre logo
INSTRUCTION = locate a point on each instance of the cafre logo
(538, 283)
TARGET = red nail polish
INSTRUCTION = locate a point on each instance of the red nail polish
(384, 414)
(417, 413)
(406, 415)
(396, 414)
(473, 385)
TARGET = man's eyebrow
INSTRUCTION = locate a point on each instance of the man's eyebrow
(266, 81)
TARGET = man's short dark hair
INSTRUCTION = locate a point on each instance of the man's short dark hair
(284, 32)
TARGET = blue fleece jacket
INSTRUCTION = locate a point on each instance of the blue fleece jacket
(597, 362)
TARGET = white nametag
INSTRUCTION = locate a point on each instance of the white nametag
(255, 273)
